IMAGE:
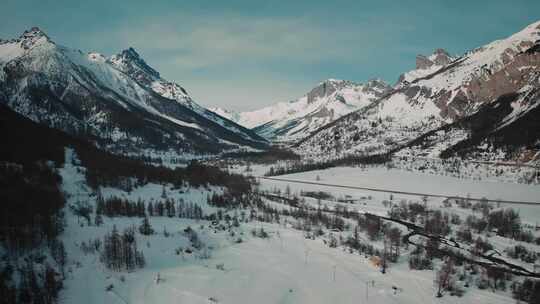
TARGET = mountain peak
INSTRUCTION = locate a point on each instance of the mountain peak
(439, 57)
(130, 53)
(32, 37)
(329, 86)
(440, 51)
(325, 88)
(34, 31)
(130, 62)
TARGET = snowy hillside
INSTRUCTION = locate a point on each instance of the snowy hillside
(457, 90)
(120, 102)
(294, 120)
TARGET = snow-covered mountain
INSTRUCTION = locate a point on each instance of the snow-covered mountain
(445, 91)
(130, 62)
(120, 102)
(294, 120)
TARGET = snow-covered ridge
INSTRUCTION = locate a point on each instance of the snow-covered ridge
(13, 48)
(131, 63)
(426, 66)
(329, 100)
(44, 56)
(85, 80)
(487, 59)
(442, 90)
(490, 57)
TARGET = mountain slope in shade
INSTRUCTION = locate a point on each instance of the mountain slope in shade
(121, 102)
(454, 91)
(294, 120)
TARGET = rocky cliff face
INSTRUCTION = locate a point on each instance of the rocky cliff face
(439, 58)
(426, 65)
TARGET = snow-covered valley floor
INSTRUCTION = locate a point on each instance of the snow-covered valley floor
(284, 268)
(400, 180)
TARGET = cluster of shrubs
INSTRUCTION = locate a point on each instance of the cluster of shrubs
(419, 260)
(520, 252)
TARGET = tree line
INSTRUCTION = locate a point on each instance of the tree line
(120, 250)
(114, 206)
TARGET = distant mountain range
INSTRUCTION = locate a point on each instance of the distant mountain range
(483, 104)
(294, 120)
(120, 103)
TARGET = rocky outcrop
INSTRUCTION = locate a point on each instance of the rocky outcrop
(439, 58)
(30, 37)
(325, 88)
(422, 62)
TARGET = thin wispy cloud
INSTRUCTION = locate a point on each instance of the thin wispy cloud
(195, 44)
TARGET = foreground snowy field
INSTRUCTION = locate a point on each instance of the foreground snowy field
(270, 270)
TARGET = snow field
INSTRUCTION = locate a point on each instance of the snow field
(398, 180)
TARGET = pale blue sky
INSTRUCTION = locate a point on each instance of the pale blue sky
(247, 54)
